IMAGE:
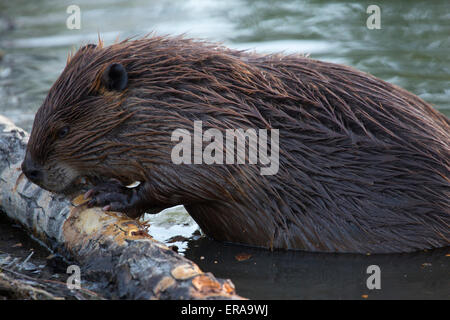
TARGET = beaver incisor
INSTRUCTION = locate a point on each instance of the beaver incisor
(364, 164)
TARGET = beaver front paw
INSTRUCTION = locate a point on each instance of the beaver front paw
(113, 196)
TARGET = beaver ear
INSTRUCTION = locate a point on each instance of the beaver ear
(115, 77)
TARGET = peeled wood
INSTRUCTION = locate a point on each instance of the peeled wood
(111, 249)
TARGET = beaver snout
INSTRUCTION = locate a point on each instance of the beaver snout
(32, 170)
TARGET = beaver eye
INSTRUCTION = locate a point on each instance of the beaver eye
(63, 132)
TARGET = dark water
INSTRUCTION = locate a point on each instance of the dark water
(303, 275)
(411, 50)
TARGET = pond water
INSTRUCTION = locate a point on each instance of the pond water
(411, 50)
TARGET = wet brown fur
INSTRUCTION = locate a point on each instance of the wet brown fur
(364, 165)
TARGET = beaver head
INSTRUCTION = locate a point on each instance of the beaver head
(111, 112)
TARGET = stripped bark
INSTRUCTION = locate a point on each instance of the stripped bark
(111, 249)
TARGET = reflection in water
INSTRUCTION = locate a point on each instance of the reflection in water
(304, 275)
(410, 50)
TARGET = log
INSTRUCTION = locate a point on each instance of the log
(16, 285)
(111, 249)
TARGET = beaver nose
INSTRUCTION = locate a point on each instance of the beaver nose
(31, 170)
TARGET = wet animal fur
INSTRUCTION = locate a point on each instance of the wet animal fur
(364, 164)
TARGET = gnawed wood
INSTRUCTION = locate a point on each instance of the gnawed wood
(111, 249)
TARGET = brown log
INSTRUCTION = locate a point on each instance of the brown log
(111, 249)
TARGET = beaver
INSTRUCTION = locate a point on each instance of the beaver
(364, 166)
